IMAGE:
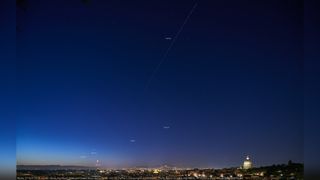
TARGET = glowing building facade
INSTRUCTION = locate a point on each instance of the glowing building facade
(247, 164)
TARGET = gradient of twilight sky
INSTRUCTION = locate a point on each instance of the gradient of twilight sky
(231, 85)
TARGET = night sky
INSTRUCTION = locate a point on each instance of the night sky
(7, 90)
(89, 88)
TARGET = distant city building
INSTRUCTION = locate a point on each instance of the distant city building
(247, 164)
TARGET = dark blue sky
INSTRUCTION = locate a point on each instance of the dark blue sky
(311, 88)
(231, 85)
(7, 90)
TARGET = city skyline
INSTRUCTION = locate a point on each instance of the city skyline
(101, 165)
(193, 83)
(290, 170)
(247, 164)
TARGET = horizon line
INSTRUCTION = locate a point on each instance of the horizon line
(148, 167)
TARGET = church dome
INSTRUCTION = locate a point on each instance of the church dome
(247, 164)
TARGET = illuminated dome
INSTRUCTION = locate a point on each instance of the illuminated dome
(247, 164)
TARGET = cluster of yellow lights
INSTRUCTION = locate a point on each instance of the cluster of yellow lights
(156, 171)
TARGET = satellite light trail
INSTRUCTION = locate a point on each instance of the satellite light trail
(171, 45)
